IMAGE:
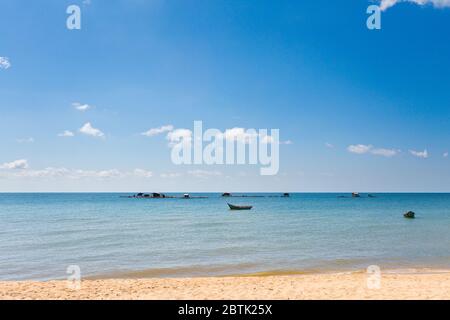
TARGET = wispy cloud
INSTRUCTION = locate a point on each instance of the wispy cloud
(419, 154)
(170, 175)
(4, 63)
(141, 173)
(17, 164)
(179, 135)
(445, 155)
(25, 140)
(270, 140)
(81, 106)
(66, 133)
(384, 152)
(241, 135)
(156, 131)
(329, 145)
(75, 174)
(386, 4)
(204, 173)
(363, 149)
(89, 130)
(359, 148)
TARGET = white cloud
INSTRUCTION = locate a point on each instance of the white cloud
(384, 152)
(66, 133)
(359, 148)
(363, 149)
(386, 4)
(44, 173)
(419, 154)
(80, 106)
(329, 145)
(170, 175)
(445, 155)
(4, 63)
(179, 135)
(89, 130)
(204, 173)
(141, 173)
(269, 140)
(25, 140)
(17, 164)
(80, 174)
(20, 169)
(241, 135)
(112, 173)
(155, 131)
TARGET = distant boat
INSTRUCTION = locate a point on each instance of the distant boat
(226, 194)
(286, 195)
(234, 207)
(410, 215)
(356, 195)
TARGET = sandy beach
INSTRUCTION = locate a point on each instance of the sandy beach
(430, 285)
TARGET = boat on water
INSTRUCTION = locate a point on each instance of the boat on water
(409, 215)
(235, 207)
(356, 195)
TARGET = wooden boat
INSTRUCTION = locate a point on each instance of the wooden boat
(234, 207)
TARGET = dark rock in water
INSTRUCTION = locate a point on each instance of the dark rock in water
(409, 215)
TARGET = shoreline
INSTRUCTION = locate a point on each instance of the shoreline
(429, 284)
(163, 273)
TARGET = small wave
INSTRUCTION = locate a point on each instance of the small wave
(178, 272)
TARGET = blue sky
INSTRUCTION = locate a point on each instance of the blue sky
(360, 107)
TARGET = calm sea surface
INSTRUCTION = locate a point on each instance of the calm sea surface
(106, 235)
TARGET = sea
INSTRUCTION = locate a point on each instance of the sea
(106, 235)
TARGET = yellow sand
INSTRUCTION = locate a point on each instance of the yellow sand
(314, 286)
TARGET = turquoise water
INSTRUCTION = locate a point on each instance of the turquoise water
(106, 235)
